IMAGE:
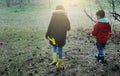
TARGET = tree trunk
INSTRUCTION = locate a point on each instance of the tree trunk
(8, 3)
(21, 3)
(29, 1)
(50, 3)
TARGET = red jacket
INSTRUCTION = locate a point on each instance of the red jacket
(101, 31)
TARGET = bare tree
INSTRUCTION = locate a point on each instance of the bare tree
(114, 5)
(114, 12)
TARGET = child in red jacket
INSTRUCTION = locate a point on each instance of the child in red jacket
(101, 31)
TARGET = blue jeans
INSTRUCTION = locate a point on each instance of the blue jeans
(59, 50)
(100, 47)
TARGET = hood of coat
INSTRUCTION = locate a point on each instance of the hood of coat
(59, 12)
(103, 20)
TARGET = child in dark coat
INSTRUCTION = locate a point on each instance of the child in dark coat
(101, 31)
(56, 33)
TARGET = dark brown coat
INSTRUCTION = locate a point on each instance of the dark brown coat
(58, 27)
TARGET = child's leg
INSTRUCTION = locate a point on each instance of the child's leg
(54, 49)
(100, 55)
(60, 53)
(100, 49)
(103, 45)
(54, 55)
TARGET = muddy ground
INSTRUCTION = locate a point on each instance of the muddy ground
(78, 59)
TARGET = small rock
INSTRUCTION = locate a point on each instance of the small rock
(9, 60)
(115, 68)
(36, 72)
(90, 41)
(32, 64)
(79, 50)
(34, 54)
(38, 47)
(118, 54)
(2, 73)
(30, 74)
(114, 59)
(1, 43)
(50, 72)
(41, 60)
(19, 70)
(118, 50)
(18, 39)
(6, 69)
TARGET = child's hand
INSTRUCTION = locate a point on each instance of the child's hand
(92, 36)
(111, 34)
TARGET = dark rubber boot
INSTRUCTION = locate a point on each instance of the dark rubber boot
(101, 59)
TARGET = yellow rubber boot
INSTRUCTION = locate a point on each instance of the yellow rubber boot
(59, 62)
(54, 58)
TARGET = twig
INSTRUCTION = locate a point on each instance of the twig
(89, 16)
(116, 16)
